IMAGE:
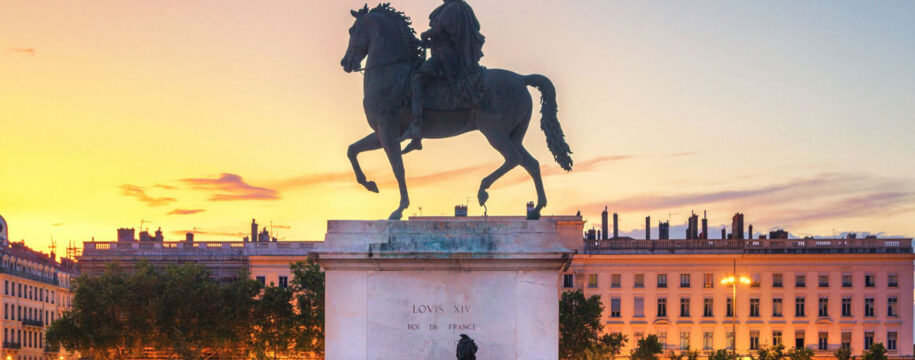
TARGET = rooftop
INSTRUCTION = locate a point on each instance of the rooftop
(750, 246)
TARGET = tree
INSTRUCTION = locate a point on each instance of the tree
(608, 347)
(775, 352)
(800, 353)
(692, 355)
(579, 324)
(308, 287)
(722, 354)
(876, 352)
(273, 321)
(647, 348)
(844, 353)
(675, 355)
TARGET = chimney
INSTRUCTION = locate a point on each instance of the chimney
(750, 232)
(530, 209)
(603, 223)
(125, 234)
(692, 231)
(460, 211)
(253, 231)
(616, 229)
(737, 226)
(159, 237)
(648, 228)
(724, 233)
(704, 225)
(189, 237)
(664, 230)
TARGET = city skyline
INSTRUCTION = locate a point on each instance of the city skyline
(207, 114)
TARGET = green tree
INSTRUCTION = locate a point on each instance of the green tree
(774, 352)
(308, 287)
(722, 354)
(273, 321)
(608, 347)
(647, 348)
(692, 354)
(844, 353)
(876, 352)
(800, 353)
(676, 355)
(579, 324)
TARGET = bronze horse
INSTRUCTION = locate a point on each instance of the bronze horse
(386, 37)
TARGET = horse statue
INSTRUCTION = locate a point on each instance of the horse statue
(385, 39)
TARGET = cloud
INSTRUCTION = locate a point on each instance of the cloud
(552, 169)
(25, 51)
(139, 193)
(166, 187)
(57, 224)
(316, 179)
(231, 187)
(853, 206)
(185, 211)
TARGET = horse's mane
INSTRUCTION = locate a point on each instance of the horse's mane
(404, 23)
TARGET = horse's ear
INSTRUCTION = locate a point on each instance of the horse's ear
(355, 14)
(365, 8)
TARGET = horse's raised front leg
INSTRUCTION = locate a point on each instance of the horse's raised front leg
(368, 143)
(389, 137)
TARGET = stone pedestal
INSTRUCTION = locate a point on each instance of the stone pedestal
(408, 289)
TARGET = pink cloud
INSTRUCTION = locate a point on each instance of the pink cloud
(25, 51)
(185, 211)
(231, 187)
(140, 194)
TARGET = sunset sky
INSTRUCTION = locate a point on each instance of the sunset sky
(209, 113)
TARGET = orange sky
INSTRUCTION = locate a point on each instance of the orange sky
(209, 113)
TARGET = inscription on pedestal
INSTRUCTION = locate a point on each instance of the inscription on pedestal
(424, 309)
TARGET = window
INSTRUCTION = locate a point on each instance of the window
(638, 307)
(284, 282)
(662, 307)
(615, 307)
(754, 340)
(800, 281)
(799, 305)
(892, 280)
(662, 280)
(868, 339)
(870, 280)
(846, 339)
(799, 339)
(708, 281)
(707, 306)
(708, 340)
(615, 281)
(846, 306)
(684, 280)
(777, 280)
(776, 337)
(6, 287)
(684, 340)
(729, 340)
(592, 281)
(777, 307)
(754, 307)
(891, 307)
(891, 340)
(824, 281)
(869, 307)
(823, 309)
(568, 280)
(684, 307)
(262, 280)
(754, 280)
(730, 308)
(846, 280)
(823, 341)
(636, 336)
(639, 281)
(662, 338)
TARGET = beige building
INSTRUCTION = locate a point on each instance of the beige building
(35, 292)
(816, 293)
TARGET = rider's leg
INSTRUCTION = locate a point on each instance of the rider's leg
(414, 131)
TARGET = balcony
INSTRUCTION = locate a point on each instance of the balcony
(750, 246)
(172, 248)
(32, 322)
(11, 345)
(30, 276)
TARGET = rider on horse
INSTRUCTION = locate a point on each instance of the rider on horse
(456, 42)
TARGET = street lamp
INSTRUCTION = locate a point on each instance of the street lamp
(733, 280)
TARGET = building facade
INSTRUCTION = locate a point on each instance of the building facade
(816, 293)
(35, 293)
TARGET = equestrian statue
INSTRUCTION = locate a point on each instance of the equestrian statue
(407, 97)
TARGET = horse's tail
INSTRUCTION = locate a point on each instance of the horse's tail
(549, 123)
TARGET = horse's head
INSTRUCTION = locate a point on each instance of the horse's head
(358, 46)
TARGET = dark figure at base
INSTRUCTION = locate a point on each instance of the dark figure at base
(466, 348)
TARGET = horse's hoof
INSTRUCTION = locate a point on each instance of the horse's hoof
(534, 214)
(396, 215)
(370, 186)
(482, 196)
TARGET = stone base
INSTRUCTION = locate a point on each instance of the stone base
(407, 290)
